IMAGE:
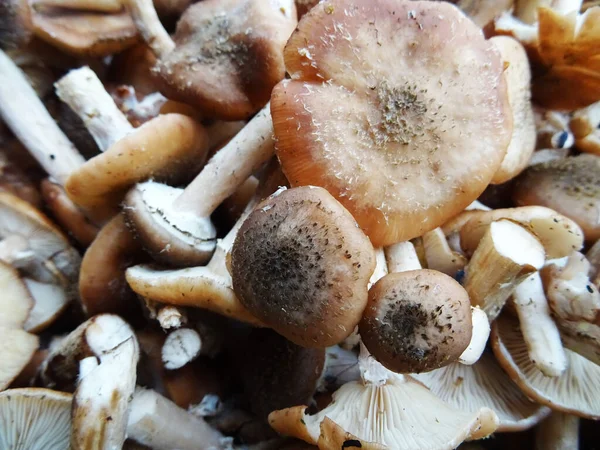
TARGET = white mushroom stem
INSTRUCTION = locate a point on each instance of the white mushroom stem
(181, 347)
(559, 431)
(477, 205)
(50, 301)
(25, 114)
(105, 6)
(439, 255)
(505, 256)
(402, 257)
(149, 25)
(83, 91)
(539, 329)
(160, 424)
(381, 268)
(479, 337)
(171, 317)
(229, 167)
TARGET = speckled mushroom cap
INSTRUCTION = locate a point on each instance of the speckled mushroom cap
(570, 186)
(301, 265)
(228, 55)
(385, 111)
(416, 321)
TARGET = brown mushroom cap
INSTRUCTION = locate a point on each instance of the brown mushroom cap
(570, 186)
(228, 56)
(301, 265)
(15, 24)
(416, 321)
(405, 132)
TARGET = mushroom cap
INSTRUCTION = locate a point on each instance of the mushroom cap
(301, 265)
(575, 391)
(169, 147)
(518, 80)
(170, 236)
(366, 99)
(570, 186)
(35, 419)
(484, 384)
(270, 363)
(83, 33)
(416, 321)
(228, 56)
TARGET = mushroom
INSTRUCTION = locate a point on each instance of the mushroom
(552, 129)
(416, 321)
(301, 265)
(16, 345)
(570, 186)
(185, 344)
(50, 301)
(559, 431)
(572, 392)
(15, 24)
(35, 419)
(440, 256)
(483, 12)
(527, 10)
(384, 411)
(167, 147)
(546, 155)
(518, 78)
(479, 337)
(484, 385)
(341, 367)
(585, 124)
(364, 99)
(225, 56)
(505, 256)
(402, 257)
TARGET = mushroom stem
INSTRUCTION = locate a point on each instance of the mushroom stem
(559, 431)
(181, 347)
(159, 423)
(585, 120)
(539, 329)
(505, 256)
(83, 91)
(402, 257)
(171, 317)
(479, 337)
(381, 268)
(148, 24)
(105, 6)
(439, 255)
(229, 167)
(25, 114)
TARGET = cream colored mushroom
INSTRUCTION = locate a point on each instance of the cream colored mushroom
(559, 431)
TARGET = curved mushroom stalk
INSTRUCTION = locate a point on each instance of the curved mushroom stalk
(381, 268)
(559, 431)
(402, 257)
(479, 337)
(440, 256)
(386, 411)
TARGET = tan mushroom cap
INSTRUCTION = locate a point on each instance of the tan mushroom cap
(575, 391)
(83, 33)
(570, 186)
(169, 147)
(484, 385)
(416, 321)
(403, 131)
(301, 265)
(228, 56)
(35, 419)
(518, 79)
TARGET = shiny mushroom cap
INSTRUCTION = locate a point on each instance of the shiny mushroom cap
(301, 265)
(365, 99)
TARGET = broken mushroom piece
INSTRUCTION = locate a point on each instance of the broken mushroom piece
(573, 392)
(570, 186)
(440, 256)
(505, 256)
(518, 78)
(416, 321)
(385, 411)
(183, 345)
(225, 56)
(365, 99)
(479, 337)
(35, 419)
(484, 384)
(559, 431)
(301, 265)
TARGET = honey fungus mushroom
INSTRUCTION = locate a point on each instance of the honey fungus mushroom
(301, 265)
(385, 120)
(416, 321)
(225, 56)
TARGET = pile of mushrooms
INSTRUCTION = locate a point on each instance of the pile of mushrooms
(277, 224)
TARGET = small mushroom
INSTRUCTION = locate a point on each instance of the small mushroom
(559, 431)
(416, 321)
(34, 418)
(225, 56)
(301, 265)
(484, 384)
(573, 392)
(364, 99)
(570, 186)
(505, 256)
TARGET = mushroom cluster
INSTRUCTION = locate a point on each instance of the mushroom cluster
(295, 224)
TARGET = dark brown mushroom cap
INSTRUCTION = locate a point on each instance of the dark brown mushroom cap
(301, 265)
(15, 24)
(570, 186)
(287, 372)
(416, 321)
(228, 56)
